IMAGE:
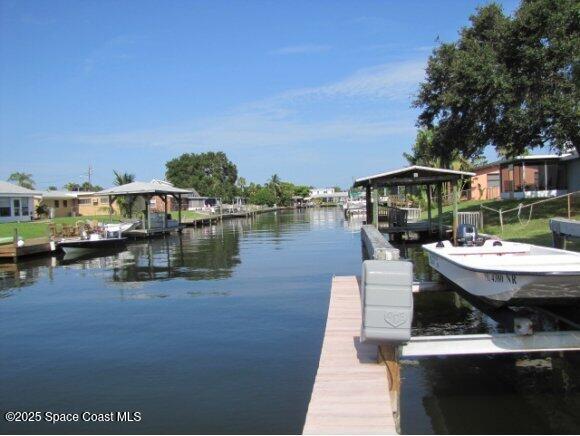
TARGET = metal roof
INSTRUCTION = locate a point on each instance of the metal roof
(62, 194)
(11, 189)
(142, 188)
(413, 175)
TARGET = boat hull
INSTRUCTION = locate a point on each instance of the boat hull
(79, 247)
(502, 288)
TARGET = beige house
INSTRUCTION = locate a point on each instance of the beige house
(58, 203)
(74, 203)
(91, 204)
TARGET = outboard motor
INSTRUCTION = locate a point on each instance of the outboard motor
(466, 235)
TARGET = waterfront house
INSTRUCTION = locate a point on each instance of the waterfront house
(327, 195)
(533, 176)
(485, 185)
(157, 202)
(59, 203)
(16, 202)
(91, 204)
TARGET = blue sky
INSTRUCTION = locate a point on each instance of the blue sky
(318, 92)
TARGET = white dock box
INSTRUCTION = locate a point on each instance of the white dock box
(387, 301)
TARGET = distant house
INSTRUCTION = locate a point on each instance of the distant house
(16, 203)
(534, 176)
(157, 203)
(327, 195)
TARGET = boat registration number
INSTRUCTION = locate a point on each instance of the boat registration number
(501, 278)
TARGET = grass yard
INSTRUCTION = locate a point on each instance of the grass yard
(522, 229)
(36, 229)
(190, 214)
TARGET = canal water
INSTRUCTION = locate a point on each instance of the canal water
(219, 330)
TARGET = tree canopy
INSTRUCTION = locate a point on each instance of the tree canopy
(85, 187)
(511, 82)
(211, 174)
(22, 179)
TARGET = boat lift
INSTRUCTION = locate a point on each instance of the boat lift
(387, 287)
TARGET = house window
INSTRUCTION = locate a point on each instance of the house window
(5, 208)
(535, 177)
(84, 201)
(25, 210)
(16, 207)
(104, 200)
(95, 201)
(64, 203)
(493, 181)
(56, 203)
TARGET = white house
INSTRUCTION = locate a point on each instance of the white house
(16, 202)
(327, 195)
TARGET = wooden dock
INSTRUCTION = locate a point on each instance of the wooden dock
(351, 393)
(32, 246)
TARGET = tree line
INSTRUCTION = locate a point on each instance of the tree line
(510, 82)
(212, 174)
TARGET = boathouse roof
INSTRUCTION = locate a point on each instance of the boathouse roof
(413, 175)
(144, 188)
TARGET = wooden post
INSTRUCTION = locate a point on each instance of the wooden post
(147, 199)
(165, 214)
(455, 210)
(110, 209)
(376, 207)
(369, 204)
(429, 206)
(179, 208)
(388, 354)
(569, 206)
(440, 208)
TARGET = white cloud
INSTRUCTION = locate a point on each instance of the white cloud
(386, 81)
(301, 49)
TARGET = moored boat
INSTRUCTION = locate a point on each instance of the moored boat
(510, 272)
(94, 242)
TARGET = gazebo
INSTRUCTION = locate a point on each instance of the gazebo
(147, 190)
(415, 175)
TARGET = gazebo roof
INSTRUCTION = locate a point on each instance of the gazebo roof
(144, 188)
(413, 175)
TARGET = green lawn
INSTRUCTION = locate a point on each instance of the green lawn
(534, 231)
(190, 214)
(36, 229)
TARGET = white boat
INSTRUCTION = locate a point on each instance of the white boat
(509, 272)
(355, 207)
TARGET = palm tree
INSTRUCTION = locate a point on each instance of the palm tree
(275, 184)
(22, 179)
(125, 203)
(242, 184)
(123, 179)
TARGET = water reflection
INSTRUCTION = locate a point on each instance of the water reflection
(217, 330)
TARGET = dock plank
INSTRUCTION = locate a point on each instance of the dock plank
(351, 389)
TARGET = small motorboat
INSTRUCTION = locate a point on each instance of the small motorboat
(94, 242)
(509, 272)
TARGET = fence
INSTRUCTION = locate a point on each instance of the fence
(523, 213)
(473, 218)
